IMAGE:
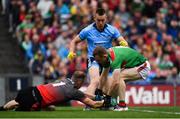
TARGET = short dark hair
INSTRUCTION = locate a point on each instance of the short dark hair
(99, 50)
(100, 11)
(79, 75)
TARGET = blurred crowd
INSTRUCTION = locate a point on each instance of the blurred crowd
(44, 29)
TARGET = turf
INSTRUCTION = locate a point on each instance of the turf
(72, 112)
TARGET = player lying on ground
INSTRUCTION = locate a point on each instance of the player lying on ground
(127, 65)
(41, 96)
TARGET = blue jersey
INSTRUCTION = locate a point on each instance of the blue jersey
(95, 37)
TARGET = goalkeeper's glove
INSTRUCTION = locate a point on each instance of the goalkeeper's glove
(71, 55)
(123, 43)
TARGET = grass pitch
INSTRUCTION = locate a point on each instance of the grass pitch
(77, 112)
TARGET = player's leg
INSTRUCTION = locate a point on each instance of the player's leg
(9, 105)
(94, 75)
(94, 79)
(131, 74)
(27, 98)
(93, 71)
(126, 74)
(22, 101)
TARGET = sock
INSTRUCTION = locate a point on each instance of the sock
(122, 103)
(114, 101)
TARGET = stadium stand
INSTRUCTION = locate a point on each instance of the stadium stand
(12, 57)
(151, 27)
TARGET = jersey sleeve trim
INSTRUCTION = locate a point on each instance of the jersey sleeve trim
(112, 54)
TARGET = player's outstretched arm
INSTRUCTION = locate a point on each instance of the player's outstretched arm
(94, 104)
(105, 73)
(103, 77)
(72, 54)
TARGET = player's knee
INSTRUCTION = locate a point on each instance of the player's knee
(116, 74)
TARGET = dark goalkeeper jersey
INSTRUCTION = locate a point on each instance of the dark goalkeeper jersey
(59, 92)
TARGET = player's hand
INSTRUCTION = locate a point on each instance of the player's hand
(123, 43)
(71, 55)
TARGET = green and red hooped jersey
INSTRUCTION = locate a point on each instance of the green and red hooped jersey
(124, 57)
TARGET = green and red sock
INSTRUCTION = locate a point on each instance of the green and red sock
(122, 103)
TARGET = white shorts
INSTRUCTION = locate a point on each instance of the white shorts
(144, 69)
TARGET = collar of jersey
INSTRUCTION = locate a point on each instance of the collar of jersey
(98, 29)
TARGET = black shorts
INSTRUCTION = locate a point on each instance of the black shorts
(27, 97)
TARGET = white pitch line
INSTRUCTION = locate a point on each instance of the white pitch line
(151, 111)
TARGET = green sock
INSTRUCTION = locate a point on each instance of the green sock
(114, 101)
(122, 101)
